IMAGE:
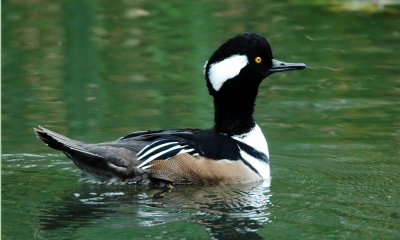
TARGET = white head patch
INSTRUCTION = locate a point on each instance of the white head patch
(226, 69)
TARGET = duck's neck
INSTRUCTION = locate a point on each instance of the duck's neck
(234, 115)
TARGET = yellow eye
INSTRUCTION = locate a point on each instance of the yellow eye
(258, 60)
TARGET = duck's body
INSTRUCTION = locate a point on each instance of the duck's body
(182, 156)
(234, 150)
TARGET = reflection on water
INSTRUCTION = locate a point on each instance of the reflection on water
(242, 209)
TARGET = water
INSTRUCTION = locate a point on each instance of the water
(96, 70)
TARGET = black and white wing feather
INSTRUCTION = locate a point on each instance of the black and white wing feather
(163, 149)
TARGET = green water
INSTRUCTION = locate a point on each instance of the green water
(96, 70)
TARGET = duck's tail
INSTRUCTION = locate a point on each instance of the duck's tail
(58, 141)
(102, 160)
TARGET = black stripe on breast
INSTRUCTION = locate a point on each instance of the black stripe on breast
(253, 152)
(250, 166)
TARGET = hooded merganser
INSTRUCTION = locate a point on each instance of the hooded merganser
(234, 150)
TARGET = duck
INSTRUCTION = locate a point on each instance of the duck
(233, 151)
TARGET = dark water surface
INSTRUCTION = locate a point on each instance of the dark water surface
(95, 70)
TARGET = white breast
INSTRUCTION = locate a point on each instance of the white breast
(254, 138)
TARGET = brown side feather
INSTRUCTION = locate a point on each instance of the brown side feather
(187, 169)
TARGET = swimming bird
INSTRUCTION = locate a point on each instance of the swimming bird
(234, 150)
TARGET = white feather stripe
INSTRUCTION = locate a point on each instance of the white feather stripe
(144, 163)
(147, 146)
(142, 154)
(155, 156)
(146, 167)
(187, 150)
(226, 69)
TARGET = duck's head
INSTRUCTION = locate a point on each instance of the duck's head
(243, 61)
(234, 73)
